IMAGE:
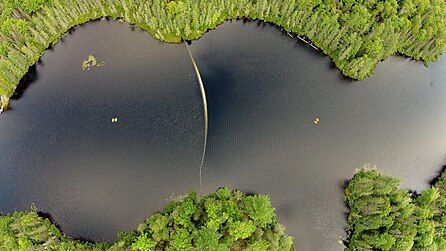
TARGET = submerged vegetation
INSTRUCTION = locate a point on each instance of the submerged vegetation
(355, 34)
(385, 217)
(224, 220)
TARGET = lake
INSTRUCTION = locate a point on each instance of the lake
(60, 150)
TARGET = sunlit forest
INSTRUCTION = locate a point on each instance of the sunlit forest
(356, 35)
(385, 217)
(224, 220)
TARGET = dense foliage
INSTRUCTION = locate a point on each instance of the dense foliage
(29, 231)
(224, 220)
(356, 34)
(385, 217)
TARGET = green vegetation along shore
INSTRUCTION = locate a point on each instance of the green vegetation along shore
(382, 217)
(355, 34)
(385, 217)
(224, 220)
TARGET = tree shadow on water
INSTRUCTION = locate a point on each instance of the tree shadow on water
(218, 83)
(30, 77)
(437, 178)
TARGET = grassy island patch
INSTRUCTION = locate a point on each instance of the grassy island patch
(355, 34)
(224, 220)
(385, 217)
(90, 62)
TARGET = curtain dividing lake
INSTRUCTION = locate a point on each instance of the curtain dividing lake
(60, 150)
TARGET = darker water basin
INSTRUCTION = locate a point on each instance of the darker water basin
(60, 150)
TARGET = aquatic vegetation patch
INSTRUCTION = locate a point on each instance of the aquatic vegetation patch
(90, 62)
(355, 34)
(224, 220)
(385, 217)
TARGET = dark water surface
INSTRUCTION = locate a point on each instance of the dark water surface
(59, 149)
(264, 91)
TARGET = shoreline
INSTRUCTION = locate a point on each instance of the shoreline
(174, 22)
(4, 103)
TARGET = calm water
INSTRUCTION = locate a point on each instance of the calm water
(60, 150)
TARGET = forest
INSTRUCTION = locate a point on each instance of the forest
(355, 34)
(224, 220)
(385, 217)
(382, 216)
